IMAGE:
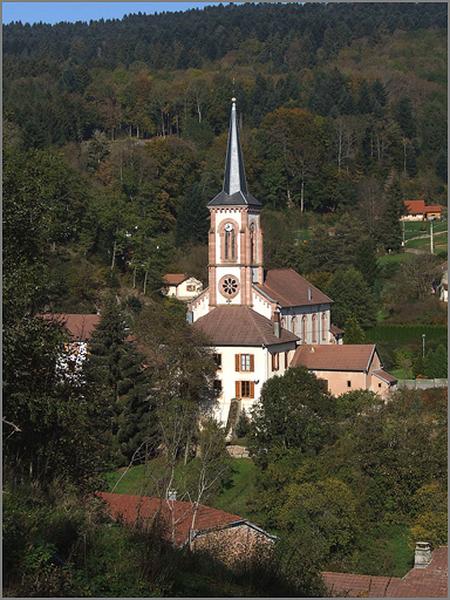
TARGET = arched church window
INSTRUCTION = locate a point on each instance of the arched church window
(314, 329)
(324, 327)
(294, 325)
(283, 323)
(304, 329)
(252, 244)
(230, 242)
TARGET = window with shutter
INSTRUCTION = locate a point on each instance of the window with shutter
(238, 389)
(252, 389)
(246, 389)
(275, 362)
(237, 362)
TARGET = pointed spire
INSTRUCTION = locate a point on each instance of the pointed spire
(234, 190)
(234, 180)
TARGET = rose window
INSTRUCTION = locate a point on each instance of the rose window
(230, 286)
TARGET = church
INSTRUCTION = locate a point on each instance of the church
(255, 320)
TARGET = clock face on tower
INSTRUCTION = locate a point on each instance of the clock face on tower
(228, 227)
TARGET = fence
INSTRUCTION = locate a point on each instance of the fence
(422, 384)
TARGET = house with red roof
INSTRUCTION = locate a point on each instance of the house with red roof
(229, 537)
(345, 368)
(417, 210)
(181, 286)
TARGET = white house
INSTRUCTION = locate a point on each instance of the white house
(181, 286)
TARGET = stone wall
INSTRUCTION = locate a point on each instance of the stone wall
(235, 545)
(422, 384)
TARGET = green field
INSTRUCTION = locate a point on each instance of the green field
(393, 259)
(232, 498)
(407, 334)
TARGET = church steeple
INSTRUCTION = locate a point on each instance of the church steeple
(234, 179)
(234, 192)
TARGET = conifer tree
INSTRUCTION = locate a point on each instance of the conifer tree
(390, 232)
(366, 261)
(116, 368)
(354, 334)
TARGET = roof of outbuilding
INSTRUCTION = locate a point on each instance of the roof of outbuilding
(240, 326)
(289, 288)
(428, 582)
(79, 326)
(175, 278)
(134, 508)
(385, 376)
(418, 206)
(334, 357)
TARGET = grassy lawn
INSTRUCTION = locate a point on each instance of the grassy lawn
(440, 242)
(393, 259)
(234, 497)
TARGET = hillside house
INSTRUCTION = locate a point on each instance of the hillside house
(181, 286)
(417, 210)
(347, 367)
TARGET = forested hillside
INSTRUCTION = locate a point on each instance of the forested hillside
(114, 142)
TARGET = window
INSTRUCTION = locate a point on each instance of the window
(229, 286)
(324, 327)
(218, 360)
(294, 325)
(314, 329)
(190, 288)
(217, 386)
(275, 362)
(252, 244)
(379, 385)
(324, 384)
(349, 383)
(245, 389)
(229, 247)
(304, 329)
(244, 362)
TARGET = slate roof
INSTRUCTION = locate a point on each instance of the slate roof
(334, 357)
(175, 278)
(131, 508)
(289, 289)
(80, 327)
(240, 326)
(429, 582)
(234, 192)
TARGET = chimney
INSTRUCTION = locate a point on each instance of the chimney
(276, 323)
(422, 555)
(309, 294)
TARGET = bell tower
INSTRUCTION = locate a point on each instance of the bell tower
(235, 259)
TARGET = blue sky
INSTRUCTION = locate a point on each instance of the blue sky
(54, 12)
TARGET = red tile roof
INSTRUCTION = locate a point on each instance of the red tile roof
(134, 508)
(80, 327)
(334, 357)
(335, 330)
(385, 376)
(415, 207)
(240, 326)
(289, 288)
(429, 582)
(175, 278)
